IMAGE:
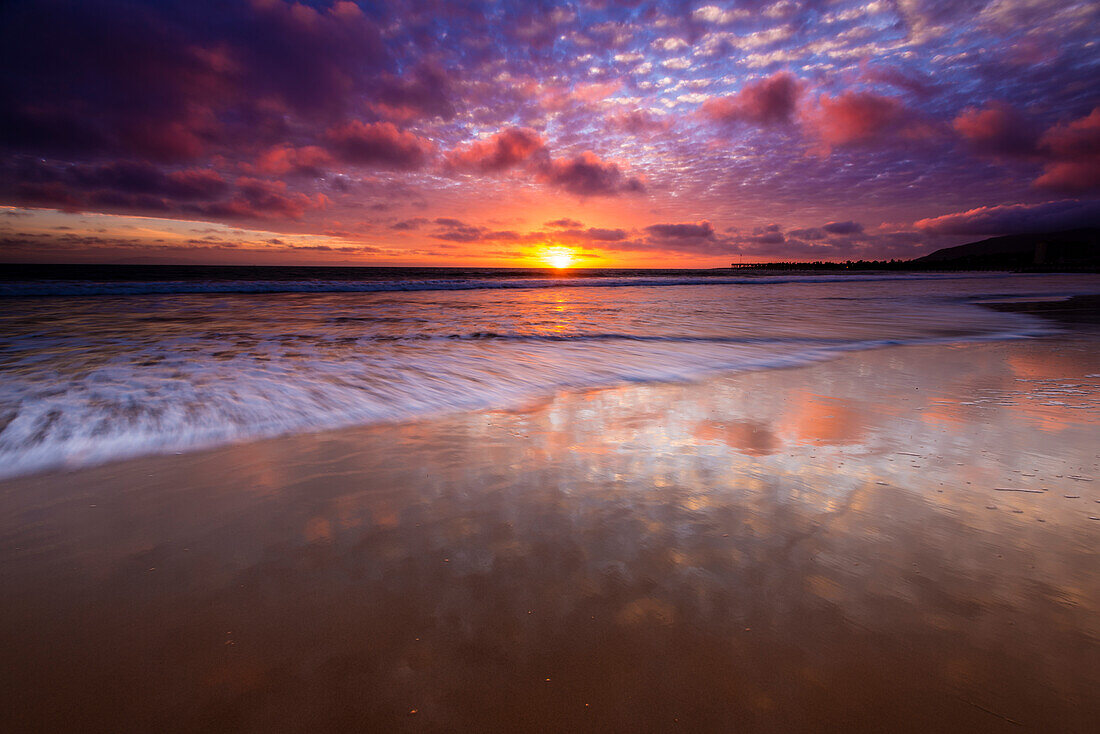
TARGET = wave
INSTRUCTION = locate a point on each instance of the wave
(86, 381)
(70, 288)
(123, 410)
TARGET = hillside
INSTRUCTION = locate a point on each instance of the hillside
(1075, 248)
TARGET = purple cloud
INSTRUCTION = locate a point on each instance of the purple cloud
(588, 175)
(997, 129)
(378, 143)
(1016, 218)
(769, 101)
(848, 227)
(1074, 149)
(507, 149)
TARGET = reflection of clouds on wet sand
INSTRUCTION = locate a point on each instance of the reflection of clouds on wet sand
(746, 550)
(821, 419)
(750, 437)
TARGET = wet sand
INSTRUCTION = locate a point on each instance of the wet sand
(842, 547)
(1075, 310)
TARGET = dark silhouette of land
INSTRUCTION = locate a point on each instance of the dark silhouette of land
(1075, 250)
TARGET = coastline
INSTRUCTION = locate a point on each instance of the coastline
(787, 548)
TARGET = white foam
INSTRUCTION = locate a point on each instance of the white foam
(87, 381)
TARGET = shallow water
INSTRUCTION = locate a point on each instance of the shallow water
(820, 549)
(157, 366)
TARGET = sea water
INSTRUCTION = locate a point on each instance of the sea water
(103, 363)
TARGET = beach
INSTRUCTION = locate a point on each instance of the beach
(549, 368)
(900, 538)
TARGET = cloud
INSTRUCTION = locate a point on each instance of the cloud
(283, 159)
(714, 14)
(50, 194)
(502, 151)
(378, 143)
(862, 117)
(262, 199)
(906, 81)
(144, 178)
(159, 81)
(766, 102)
(455, 230)
(425, 92)
(696, 230)
(588, 175)
(843, 227)
(565, 223)
(696, 238)
(769, 238)
(597, 234)
(409, 224)
(637, 122)
(845, 241)
(129, 185)
(159, 108)
(998, 129)
(1016, 218)
(1069, 151)
(811, 233)
(1075, 150)
(464, 233)
(593, 234)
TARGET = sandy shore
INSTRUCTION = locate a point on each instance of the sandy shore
(898, 540)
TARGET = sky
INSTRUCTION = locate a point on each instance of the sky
(594, 134)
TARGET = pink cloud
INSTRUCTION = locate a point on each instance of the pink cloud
(380, 144)
(1075, 148)
(506, 149)
(638, 123)
(1015, 218)
(283, 159)
(863, 117)
(588, 175)
(168, 142)
(997, 129)
(766, 102)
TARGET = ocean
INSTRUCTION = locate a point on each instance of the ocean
(106, 362)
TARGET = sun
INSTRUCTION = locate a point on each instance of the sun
(558, 257)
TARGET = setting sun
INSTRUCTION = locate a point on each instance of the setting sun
(558, 257)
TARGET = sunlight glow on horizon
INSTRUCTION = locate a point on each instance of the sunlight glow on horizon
(558, 257)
